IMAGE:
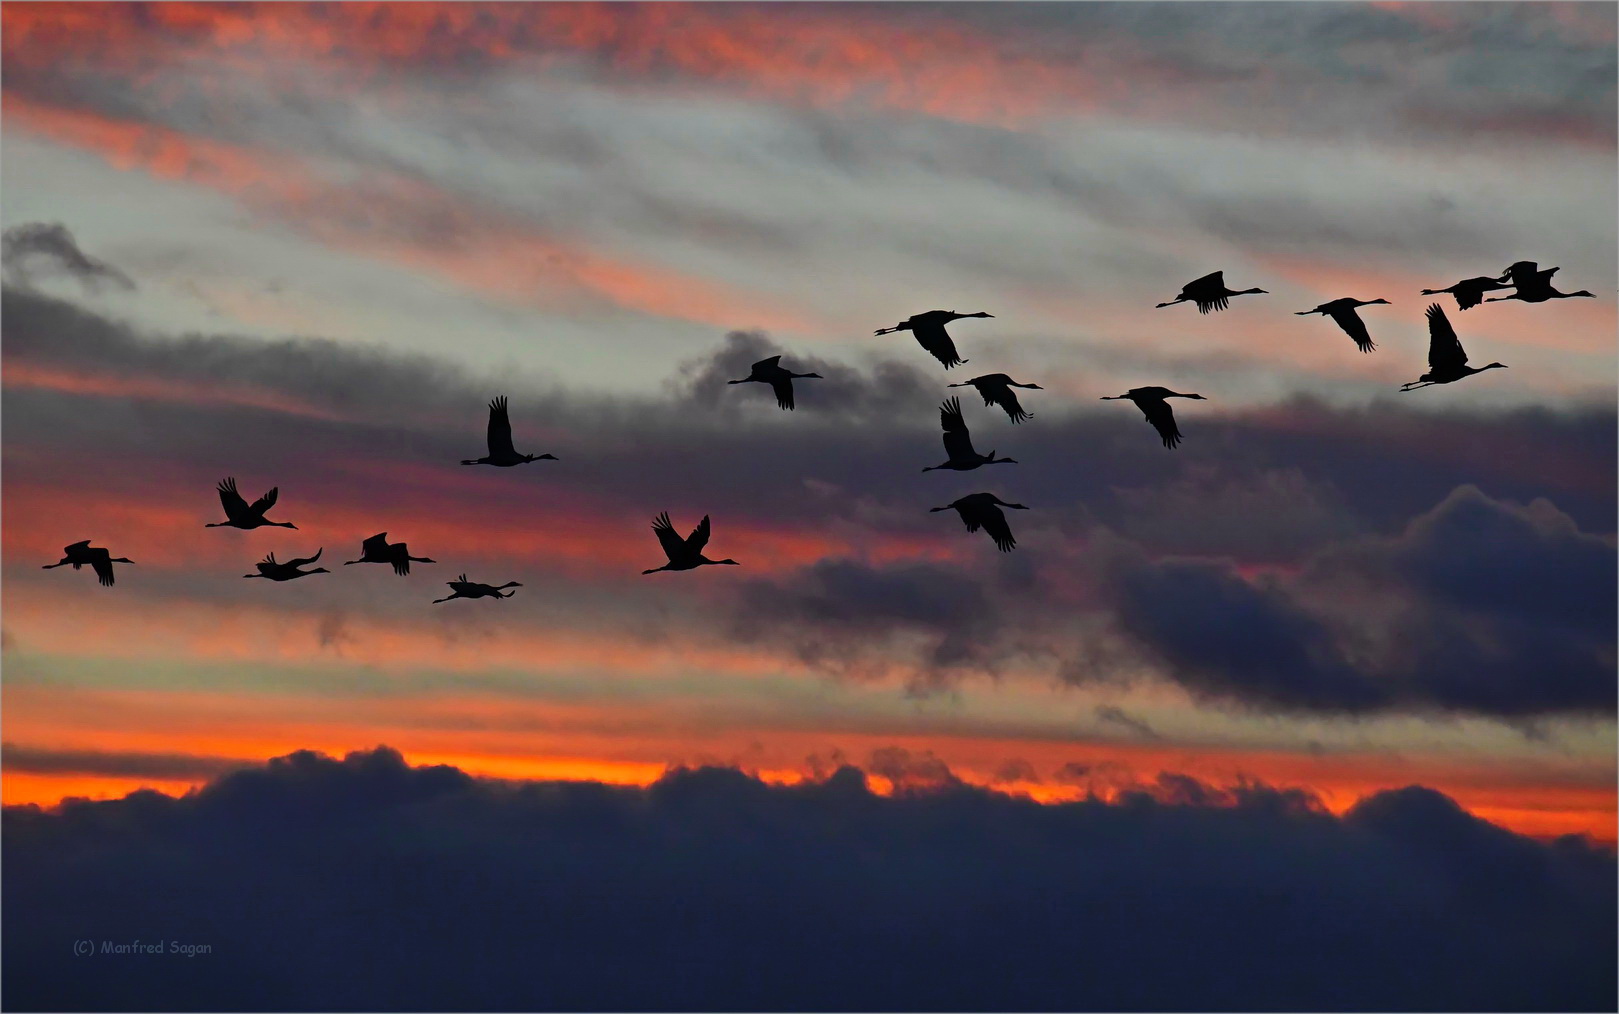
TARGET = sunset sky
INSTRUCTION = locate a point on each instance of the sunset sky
(304, 245)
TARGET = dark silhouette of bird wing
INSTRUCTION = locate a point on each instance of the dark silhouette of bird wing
(673, 545)
(1208, 292)
(1000, 394)
(101, 563)
(268, 561)
(399, 556)
(994, 522)
(302, 562)
(1162, 418)
(698, 537)
(774, 362)
(375, 547)
(783, 386)
(70, 550)
(1445, 352)
(500, 429)
(1353, 326)
(231, 500)
(931, 336)
(958, 443)
(266, 501)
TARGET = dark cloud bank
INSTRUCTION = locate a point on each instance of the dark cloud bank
(366, 884)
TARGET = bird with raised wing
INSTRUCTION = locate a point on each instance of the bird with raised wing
(1447, 360)
(269, 568)
(501, 452)
(1342, 312)
(1153, 404)
(983, 510)
(687, 553)
(928, 329)
(461, 588)
(239, 514)
(770, 371)
(1209, 293)
(377, 549)
(1469, 292)
(958, 443)
(1533, 285)
(82, 554)
(996, 389)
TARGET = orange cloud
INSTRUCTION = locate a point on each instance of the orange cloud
(480, 249)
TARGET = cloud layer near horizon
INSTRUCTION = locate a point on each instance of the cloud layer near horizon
(367, 884)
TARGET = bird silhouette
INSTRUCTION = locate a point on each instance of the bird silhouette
(82, 554)
(997, 390)
(1469, 292)
(928, 328)
(1533, 285)
(269, 568)
(1209, 293)
(983, 510)
(239, 514)
(770, 371)
(501, 453)
(1447, 360)
(377, 549)
(1151, 401)
(687, 553)
(461, 588)
(1342, 311)
(958, 443)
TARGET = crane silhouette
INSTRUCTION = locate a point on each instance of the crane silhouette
(1153, 404)
(1447, 360)
(269, 568)
(82, 554)
(983, 510)
(958, 443)
(1209, 293)
(461, 588)
(377, 549)
(770, 371)
(928, 328)
(1469, 292)
(501, 452)
(997, 390)
(687, 553)
(1533, 285)
(1342, 311)
(239, 514)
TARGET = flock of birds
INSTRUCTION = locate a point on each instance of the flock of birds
(1447, 363)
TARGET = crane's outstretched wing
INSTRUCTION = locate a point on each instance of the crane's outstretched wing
(698, 537)
(994, 522)
(958, 443)
(266, 501)
(1445, 352)
(1208, 292)
(932, 336)
(101, 563)
(1354, 327)
(230, 499)
(1003, 396)
(306, 560)
(376, 545)
(400, 554)
(783, 386)
(500, 429)
(772, 363)
(673, 544)
(1470, 292)
(68, 550)
(1162, 418)
(269, 560)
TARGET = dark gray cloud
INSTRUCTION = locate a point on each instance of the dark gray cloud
(36, 249)
(122, 764)
(310, 878)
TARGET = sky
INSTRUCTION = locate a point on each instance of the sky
(304, 245)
